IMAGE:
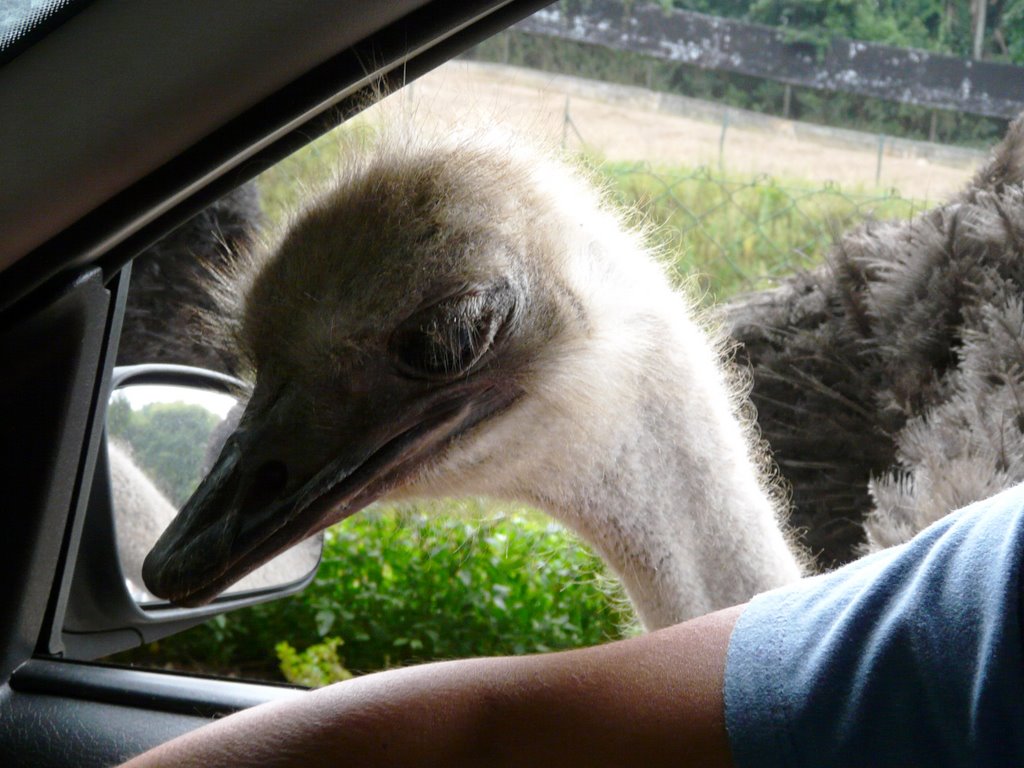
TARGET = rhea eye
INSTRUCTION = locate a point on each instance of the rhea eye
(448, 339)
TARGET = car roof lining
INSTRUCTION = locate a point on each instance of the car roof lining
(257, 103)
(88, 118)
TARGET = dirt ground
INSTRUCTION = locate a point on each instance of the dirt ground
(622, 123)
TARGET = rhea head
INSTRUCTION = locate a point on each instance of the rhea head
(399, 318)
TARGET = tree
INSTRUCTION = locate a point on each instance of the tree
(167, 440)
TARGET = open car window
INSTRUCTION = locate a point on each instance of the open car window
(737, 202)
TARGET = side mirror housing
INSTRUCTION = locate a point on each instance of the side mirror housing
(165, 426)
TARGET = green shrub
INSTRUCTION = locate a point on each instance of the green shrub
(166, 440)
(314, 667)
(420, 583)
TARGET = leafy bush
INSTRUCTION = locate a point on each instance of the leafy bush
(166, 440)
(420, 583)
(314, 667)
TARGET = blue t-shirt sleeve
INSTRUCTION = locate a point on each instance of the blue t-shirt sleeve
(911, 656)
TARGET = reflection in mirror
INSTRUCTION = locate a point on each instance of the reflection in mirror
(161, 440)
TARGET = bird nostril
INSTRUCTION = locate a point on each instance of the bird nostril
(267, 484)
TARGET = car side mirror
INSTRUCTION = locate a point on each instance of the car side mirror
(165, 426)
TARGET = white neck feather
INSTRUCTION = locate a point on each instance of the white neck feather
(660, 480)
(676, 505)
(633, 442)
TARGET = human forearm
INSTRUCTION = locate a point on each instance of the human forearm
(652, 700)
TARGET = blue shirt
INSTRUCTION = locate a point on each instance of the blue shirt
(909, 657)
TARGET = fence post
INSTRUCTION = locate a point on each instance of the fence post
(721, 142)
(565, 122)
(878, 164)
(787, 94)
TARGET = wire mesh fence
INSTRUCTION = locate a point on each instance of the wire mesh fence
(731, 232)
(737, 234)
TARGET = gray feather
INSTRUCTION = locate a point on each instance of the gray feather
(888, 380)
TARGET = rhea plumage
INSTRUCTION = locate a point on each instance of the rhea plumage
(464, 316)
(167, 282)
(889, 381)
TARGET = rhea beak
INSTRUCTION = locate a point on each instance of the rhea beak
(270, 490)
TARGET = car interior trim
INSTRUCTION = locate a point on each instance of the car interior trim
(184, 694)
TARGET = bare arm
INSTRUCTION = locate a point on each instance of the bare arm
(652, 700)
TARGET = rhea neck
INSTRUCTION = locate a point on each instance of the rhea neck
(679, 511)
(675, 504)
(633, 443)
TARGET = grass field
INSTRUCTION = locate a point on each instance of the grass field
(737, 233)
(730, 232)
